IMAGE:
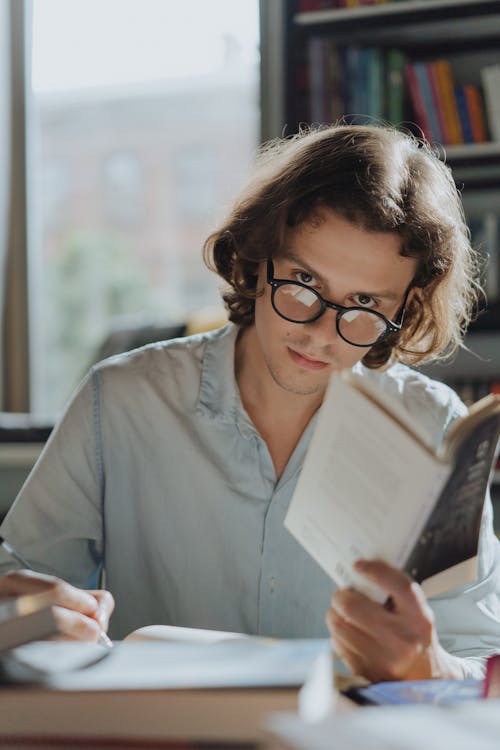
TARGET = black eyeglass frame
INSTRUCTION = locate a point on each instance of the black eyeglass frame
(391, 326)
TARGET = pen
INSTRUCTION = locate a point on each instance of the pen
(103, 639)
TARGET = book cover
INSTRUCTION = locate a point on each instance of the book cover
(491, 687)
(372, 487)
(436, 692)
(155, 691)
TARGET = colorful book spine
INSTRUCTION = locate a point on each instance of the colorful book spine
(476, 113)
(428, 101)
(438, 105)
(417, 101)
(446, 88)
(463, 114)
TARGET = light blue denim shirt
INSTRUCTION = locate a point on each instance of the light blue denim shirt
(157, 470)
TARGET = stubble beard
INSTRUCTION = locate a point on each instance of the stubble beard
(299, 389)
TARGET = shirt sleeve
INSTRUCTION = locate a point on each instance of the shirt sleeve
(55, 522)
(468, 617)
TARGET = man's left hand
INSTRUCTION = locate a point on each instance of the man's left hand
(395, 641)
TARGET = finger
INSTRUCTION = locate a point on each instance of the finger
(355, 649)
(359, 610)
(343, 634)
(395, 582)
(105, 607)
(19, 582)
(76, 626)
(379, 657)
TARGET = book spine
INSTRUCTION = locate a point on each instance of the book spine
(490, 78)
(428, 101)
(417, 101)
(476, 113)
(463, 114)
(336, 78)
(375, 83)
(446, 90)
(316, 79)
(436, 98)
(395, 64)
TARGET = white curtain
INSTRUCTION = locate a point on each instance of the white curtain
(14, 348)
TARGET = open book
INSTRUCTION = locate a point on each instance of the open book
(373, 487)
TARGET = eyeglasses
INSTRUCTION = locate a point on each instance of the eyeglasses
(359, 326)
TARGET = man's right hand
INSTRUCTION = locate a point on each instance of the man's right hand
(81, 615)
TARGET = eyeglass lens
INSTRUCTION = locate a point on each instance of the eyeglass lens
(301, 305)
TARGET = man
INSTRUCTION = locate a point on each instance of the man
(174, 465)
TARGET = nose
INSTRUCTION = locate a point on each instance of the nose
(324, 329)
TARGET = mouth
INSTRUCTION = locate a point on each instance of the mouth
(306, 362)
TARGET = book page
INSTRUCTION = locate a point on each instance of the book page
(366, 488)
(182, 635)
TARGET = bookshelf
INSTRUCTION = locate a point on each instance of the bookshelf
(464, 32)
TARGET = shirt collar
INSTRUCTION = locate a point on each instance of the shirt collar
(219, 396)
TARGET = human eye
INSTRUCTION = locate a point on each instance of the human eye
(305, 278)
(364, 300)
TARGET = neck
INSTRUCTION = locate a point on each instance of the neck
(262, 397)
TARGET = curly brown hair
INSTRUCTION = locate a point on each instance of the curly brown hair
(382, 180)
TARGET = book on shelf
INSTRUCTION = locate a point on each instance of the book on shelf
(463, 114)
(490, 78)
(152, 689)
(475, 110)
(373, 486)
(421, 105)
(427, 93)
(394, 86)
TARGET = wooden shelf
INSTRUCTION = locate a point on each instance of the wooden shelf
(476, 152)
(19, 454)
(399, 12)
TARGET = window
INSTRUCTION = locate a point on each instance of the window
(145, 125)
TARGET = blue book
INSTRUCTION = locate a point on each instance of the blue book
(463, 114)
(437, 692)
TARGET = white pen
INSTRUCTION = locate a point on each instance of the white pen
(103, 639)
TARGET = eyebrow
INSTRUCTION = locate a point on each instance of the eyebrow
(386, 294)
